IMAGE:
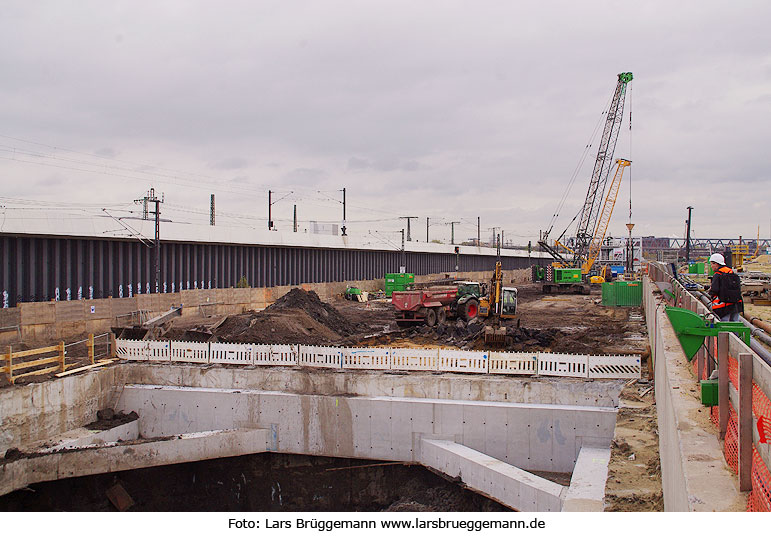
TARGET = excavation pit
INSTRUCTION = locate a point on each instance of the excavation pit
(488, 433)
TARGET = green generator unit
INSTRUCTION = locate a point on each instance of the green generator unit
(567, 276)
(622, 293)
(397, 281)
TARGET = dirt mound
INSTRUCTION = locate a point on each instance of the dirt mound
(322, 312)
(299, 317)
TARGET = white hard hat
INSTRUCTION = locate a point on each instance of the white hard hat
(717, 258)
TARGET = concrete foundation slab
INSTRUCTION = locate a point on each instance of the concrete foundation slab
(505, 483)
(587, 484)
(190, 447)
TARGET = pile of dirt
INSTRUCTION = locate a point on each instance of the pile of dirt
(299, 317)
(309, 302)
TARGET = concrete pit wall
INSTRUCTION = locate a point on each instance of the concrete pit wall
(45, 322)
(41, 411)
(540, 437)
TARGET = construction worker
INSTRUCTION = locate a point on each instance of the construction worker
(726, 290)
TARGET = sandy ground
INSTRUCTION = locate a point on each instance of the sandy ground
(634, 475)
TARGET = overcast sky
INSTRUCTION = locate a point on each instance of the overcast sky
(448, 110)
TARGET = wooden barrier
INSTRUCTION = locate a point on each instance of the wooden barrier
(11, 367)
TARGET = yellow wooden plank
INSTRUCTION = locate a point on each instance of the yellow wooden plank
(37, 372)
(38, 362)
(49, 349)
(82, 368)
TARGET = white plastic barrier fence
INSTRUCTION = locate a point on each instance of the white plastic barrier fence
(225, 353)
(563, 364)
(368, 358)
(513, 363)
(414, 359)
(456, 360)
(614, 366)
(158, 350)
(275, 355)
(321, 356)
(135, 350)
(445, 360)
(192, 352)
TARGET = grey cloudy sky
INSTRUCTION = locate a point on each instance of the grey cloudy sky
(450, 109)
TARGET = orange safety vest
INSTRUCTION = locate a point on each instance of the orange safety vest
(716, 302)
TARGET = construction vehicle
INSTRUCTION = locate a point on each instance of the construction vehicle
(577, 261)
(436, 304)
(500, 303)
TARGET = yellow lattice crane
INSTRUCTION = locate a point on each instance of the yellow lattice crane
(602, 223)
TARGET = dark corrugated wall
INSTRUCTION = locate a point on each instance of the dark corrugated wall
(39, 268)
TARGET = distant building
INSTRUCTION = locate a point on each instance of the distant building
(318, 228)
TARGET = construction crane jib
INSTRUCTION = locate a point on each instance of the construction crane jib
(587, 224)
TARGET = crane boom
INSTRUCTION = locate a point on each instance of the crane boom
(589, 212)
(607, 211)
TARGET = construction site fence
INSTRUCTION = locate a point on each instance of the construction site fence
(437, 360)
(16, 364)
(743, 414)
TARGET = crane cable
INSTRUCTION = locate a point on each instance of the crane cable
(630, 153)
(576, 171)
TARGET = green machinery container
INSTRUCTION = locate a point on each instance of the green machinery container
(709, 392)
(628, 293)
(609, 294)
(622, 293)
(397, 281)
(567, 276)
(696, 268)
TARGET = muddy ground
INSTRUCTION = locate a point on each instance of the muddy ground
(557, 323)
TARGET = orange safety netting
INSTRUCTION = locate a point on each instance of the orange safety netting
(731, 448)
(733, 371)
(714, 415)
(760, 496)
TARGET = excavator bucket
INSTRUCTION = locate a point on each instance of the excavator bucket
(495, 336)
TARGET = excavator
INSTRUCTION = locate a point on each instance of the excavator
(499, 303)
(572, 266)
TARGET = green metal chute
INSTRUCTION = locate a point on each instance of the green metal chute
(691, 329)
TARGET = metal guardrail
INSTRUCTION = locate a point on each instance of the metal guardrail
(439, 360)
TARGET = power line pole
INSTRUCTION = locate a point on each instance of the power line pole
(403, 266)
(211, 211)
(452, 232)
(151, 198)
(270, 208)
(479, 231)
(427, 228)
(408, 218)
(343, 227)
(295, 218)
(687, 237)
(493, 230)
